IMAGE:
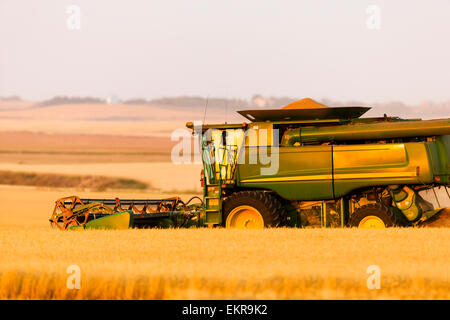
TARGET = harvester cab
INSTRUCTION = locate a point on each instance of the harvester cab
(219, 155)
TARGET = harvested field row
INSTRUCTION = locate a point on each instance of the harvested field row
(68, 181)
(37, 157)
(163, 176)
(161, 128)
(38, 142)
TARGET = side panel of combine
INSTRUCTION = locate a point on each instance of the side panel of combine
(358, 166)
(439, 151)
(304, 173)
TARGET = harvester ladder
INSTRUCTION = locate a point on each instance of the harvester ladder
(213, 204)
(222, 174)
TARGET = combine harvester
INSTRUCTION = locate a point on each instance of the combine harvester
(305, 165)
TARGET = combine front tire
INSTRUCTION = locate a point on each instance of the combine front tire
(373, 216)
(253, 210)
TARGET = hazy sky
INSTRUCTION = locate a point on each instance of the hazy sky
(227, 48)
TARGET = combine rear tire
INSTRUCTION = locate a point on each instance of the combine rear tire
(373, 216)
(253, 210)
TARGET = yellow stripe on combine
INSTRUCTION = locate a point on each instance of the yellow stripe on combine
(341, 176)
(375, 175)
(294, 178)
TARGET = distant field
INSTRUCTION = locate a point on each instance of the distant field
(162, 176)
(104, 119)
(141, 158)
(106, 127)
(90, 182)
(44, 148)
(98, 112)
(78, 143)
(15, 105)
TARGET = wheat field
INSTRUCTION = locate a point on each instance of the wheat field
(194, 263)
(211, 263)
(224, 264)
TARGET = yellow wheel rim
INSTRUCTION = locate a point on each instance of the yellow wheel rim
(372, 222)
(245, 217)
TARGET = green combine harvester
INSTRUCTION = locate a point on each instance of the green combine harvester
(305, 165)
